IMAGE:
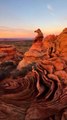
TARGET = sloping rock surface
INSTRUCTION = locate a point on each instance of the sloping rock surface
(39, 89)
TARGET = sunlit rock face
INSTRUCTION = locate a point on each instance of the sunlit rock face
(41, 94)
(40, 50)
(62, 44)
(50, 46)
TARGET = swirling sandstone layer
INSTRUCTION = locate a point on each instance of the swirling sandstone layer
(39, 92)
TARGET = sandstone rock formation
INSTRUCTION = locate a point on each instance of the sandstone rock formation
(39, 36)
(9, 59)
(40, 50)
(8, 52)
(40, 90)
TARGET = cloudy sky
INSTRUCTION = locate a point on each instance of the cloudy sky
(19, 18)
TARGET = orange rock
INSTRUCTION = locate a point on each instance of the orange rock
(8, 52)
(50, 47)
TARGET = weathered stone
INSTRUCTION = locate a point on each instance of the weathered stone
(39, 88)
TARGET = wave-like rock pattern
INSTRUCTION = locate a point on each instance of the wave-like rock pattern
(37, 90)
(9, 59)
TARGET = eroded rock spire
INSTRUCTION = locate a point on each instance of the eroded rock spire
(39, 36)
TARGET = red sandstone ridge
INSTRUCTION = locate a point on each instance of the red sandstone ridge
(50, 46)
(38, 51)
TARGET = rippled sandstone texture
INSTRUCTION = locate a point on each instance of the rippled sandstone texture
(39, 92)
(9, 59)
